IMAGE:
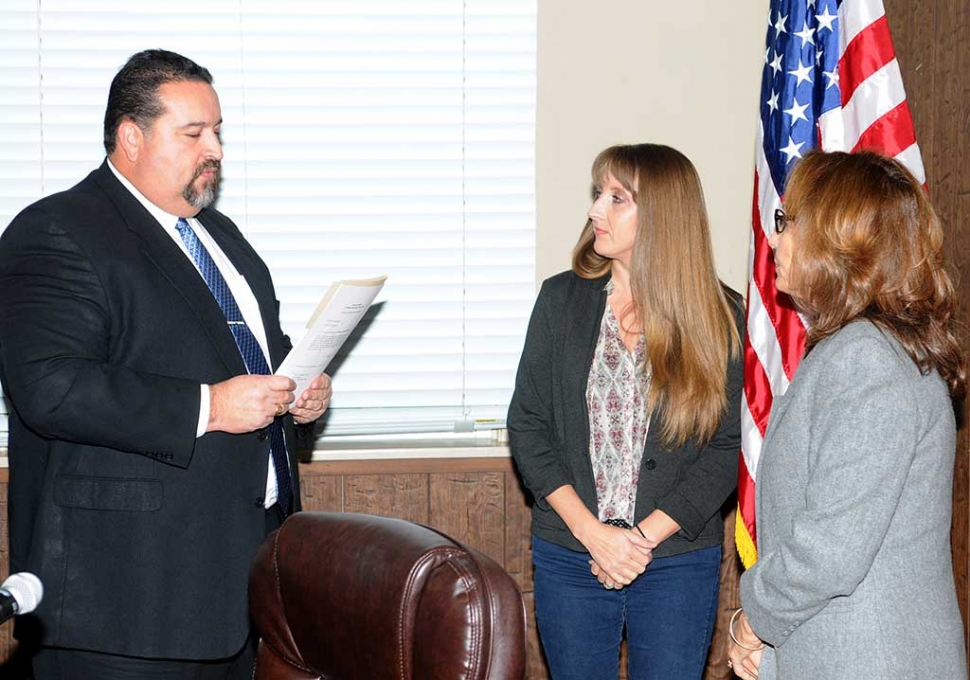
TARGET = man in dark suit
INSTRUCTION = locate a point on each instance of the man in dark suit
(148, 457)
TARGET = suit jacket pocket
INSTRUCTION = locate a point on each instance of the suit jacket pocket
(108, 493)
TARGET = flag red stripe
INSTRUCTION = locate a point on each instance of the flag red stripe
(891, 134)
(746, 499)
(868, 52)
(788, 327)
(757, 389)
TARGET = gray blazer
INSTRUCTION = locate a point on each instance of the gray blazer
(548, 427)
(854, 576)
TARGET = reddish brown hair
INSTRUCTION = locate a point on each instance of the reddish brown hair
(868, 245)
(687, 321)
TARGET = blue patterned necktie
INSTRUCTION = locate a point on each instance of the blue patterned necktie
(252, 353)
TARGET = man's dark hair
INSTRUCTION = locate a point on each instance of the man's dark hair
(134, 91)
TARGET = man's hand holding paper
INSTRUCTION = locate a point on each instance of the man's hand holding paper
(341, 309)
(314, 401)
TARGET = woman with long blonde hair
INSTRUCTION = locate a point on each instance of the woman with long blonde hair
(625, 426)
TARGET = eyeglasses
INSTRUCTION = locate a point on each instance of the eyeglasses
(781, 220)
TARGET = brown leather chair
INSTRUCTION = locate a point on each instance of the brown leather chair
(343, 596)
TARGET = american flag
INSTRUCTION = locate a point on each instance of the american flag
(830, 80)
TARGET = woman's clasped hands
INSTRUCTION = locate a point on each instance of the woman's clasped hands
(619, 555)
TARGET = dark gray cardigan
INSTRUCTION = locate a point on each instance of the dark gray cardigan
(548, 426)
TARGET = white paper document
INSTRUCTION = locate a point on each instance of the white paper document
(338, 313)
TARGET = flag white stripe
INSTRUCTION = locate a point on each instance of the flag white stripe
(876, 96)
(765, 343)
(832, 128)
(760, 329)
(751, 436)
(768, 198)
(911, 158)
(854, 17)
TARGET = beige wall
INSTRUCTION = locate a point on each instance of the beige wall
(625, 71)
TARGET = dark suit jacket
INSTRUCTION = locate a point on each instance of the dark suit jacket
(549, 426)
(141, 533)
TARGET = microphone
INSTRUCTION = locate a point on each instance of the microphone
(20, 594)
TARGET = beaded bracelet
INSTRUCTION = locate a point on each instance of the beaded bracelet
(734, 617)
(623, 524)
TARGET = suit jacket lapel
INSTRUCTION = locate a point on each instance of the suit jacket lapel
(160, 250)
(240, 254)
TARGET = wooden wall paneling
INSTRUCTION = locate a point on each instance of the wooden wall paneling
(320, 492)
(950, 190)
(728, 599)
(931, 45)
(404, 496)
(960, 531)
(518, 562)
(470, 506)
(518, 533)
(405, 465)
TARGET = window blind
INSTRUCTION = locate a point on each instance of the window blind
(361, 138)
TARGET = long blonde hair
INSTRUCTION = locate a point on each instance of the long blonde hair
(868, 245)
(687, 321)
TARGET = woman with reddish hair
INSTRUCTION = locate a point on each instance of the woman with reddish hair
(854, 486)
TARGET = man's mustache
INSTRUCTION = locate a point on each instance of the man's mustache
(208, 165)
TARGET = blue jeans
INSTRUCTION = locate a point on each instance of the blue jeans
(668, 613)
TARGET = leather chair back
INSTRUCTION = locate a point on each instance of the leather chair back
(341, 596)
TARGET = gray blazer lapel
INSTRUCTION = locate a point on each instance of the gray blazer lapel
(780, 407)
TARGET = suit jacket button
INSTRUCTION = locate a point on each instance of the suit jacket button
(259, 502)
(262, 435)
(650, 463)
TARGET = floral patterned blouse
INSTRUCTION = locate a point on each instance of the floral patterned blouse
(616, 395)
